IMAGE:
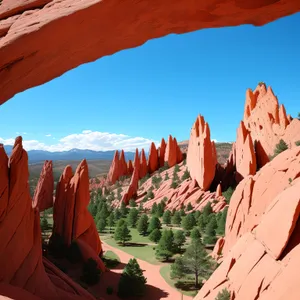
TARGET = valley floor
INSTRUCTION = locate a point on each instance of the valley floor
(157, 287)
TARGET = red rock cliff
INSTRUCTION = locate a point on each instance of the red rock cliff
(22, 271)
(262, 241)
(201, 156)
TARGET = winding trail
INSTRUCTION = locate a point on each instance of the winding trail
(157, 287)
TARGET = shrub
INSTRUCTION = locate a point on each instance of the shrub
(186, 175)
(90, 272)
(280, 147)
(297, 143)
(174, 184)
(223, 295)
(109, 290)
(176, 168)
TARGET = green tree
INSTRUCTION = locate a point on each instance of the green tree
(132, 282)
(186, 175)
(92, 209)
(280, 147)
(228, 194)
(155, 235)
(132, 203)
(101, 224)
(195, 234)
(132, 217)
(189, 207)
(178, 269)
(176, 219)
(122, 234)
(174, 184)
(142, 224)
(197, 214)
(111, 221)
(121, 222)
(210, 231)
(179, 239)
(160, 209)
(150, 194)
(154, 224)
(123, 209)
(167, 217)
(221, 222)
(154, 209)
(188, 222)
(176, 168)
(117, 214)
(166, 247)
(167, 176)
(196, 261)
(182, 212)
(223, 295)
(44, 224)
(297, 143)
(207, 211)
(90, 272)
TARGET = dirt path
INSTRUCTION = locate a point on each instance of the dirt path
(157, 287)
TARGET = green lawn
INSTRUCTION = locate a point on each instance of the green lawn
(110, 259)
(137, 247)
(188, 282)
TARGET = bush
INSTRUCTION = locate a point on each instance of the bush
(73, 253)
(297, 143)
(132, 282)
(176, 168)
(223, 295)
(155, 236)
(109, 290)
(280, 147)
(174, 184)
(186, 175)
(90, 272)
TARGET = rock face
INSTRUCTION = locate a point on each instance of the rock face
(43, 195)
(72, 220)
(153, 159)
(162, 151)
(24, 274)
(173, 154)
(256, 265)
(267, 123)
(118, 167)
(26, 22)
(201, 156)
(143, 165)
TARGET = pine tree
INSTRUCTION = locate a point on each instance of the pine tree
(195, 234)
(167, 176)
(117, 214)
(176, 168)
(179, 239)
(210, 231)
(123, 210)
(44, 224)
(154, 209)
(132, 217)
(101, 224)
(206, 212)
(167, 217)
(154, 224)
(223, 295)
(142, 224)
(122, 234)
(166, 247)
(176, 219)
(186, 175)
(189, 207)
(155, 235)
(178, 269)
(201, 223)
(111, 221)
(280, 147)
(221, 222)
(188, 222)
(132, 282)
(132, 203)
(197, 214)
(160, 210)
(182, 212)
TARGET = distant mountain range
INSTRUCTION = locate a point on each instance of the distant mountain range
(73, 154)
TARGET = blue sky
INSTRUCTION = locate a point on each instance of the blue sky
(159, 89)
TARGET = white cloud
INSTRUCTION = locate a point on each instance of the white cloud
(47, 135)
(214, 140)
(24, 132)
(92, 140)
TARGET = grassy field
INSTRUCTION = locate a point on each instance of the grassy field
(140, 246)
(186, 284)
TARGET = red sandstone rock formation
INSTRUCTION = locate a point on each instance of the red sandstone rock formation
(201, 156)
(72, 220)
(262, 244)
(36, 24)
(22, 271)
(143, 165)
(130, 167)
(267, 123)
(133, 187)
(152, 159)
(43, 195)
(173, 154)
(123, 165)
(162, 151)
(114, 172)
(245, 155)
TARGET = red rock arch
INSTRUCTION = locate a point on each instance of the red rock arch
(42, 39)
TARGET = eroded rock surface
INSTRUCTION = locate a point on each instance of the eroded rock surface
(262, 244)
(22, 271)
